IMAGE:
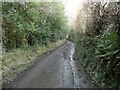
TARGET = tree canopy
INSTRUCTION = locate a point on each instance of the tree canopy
(29, 23)
(98, 47)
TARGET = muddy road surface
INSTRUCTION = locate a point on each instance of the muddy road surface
(56, 70)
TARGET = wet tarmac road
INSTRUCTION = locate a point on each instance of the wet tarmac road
(57, 70)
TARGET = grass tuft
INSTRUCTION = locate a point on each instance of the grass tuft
(17, 60)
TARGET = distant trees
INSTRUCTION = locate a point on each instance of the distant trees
(99, 46)
(29, 23)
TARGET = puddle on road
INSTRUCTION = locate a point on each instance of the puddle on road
(74, 68)
(70, 75)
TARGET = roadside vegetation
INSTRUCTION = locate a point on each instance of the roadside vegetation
(19, 59)
(96, 35)
(29, 29)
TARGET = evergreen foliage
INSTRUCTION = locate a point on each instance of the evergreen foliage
(29, 23)
(98, 48)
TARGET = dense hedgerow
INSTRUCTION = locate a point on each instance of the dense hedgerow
(29, 23)
(98, 48)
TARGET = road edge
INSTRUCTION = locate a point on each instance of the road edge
(29, 67)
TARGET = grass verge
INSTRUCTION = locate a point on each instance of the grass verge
(17, 60)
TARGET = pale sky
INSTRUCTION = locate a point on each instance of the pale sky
(71, 7)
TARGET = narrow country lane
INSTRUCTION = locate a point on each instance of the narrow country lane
(60, 44)
(56, 70)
